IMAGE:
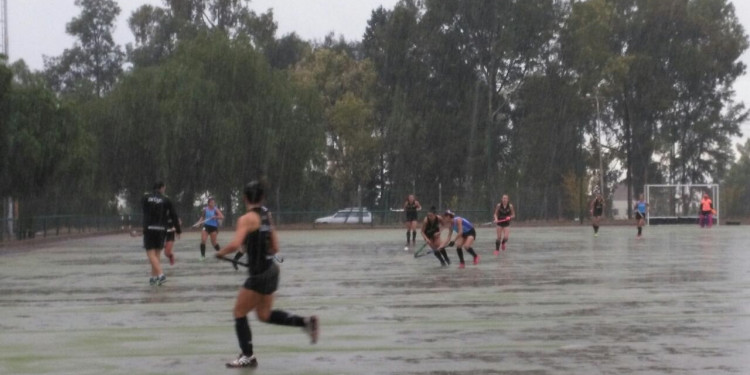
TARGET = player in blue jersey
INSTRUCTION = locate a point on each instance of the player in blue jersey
(465, 236)
(641, 210)
(210, 216)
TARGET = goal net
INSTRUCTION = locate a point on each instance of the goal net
(679, 204)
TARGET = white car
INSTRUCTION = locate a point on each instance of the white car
(350, 215)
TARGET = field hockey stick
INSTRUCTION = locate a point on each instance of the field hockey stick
(276, 258)
(235, 262)
(419, 253)
(201, 221)
(507, 218)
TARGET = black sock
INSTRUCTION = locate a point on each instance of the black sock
(505, 240)
(445, 255)
(283, 318)
(413, 236)
(244, 336)
(596, 229)
(439, 256)
(203, 249)
(460, 252)
(470, 250)
(217, 247)
(497, 245)
(639, 231)
(407, 237)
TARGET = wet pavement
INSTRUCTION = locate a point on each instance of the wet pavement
(558, 301)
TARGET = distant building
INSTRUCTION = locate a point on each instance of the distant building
(620, 202)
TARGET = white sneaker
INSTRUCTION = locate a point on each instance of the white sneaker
(243, 361)
(312, 329)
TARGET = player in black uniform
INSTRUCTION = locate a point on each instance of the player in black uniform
(411, 206)
(597, 211)
(431, 235)
(255, 232)
(504, 213)
(169, 245)
(157, 212)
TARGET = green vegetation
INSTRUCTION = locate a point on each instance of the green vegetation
(450, 99)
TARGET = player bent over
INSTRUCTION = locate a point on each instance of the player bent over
(431, 235)
(465, 235)
(255, 232)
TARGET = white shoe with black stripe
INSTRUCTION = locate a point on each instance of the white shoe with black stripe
(243, 361)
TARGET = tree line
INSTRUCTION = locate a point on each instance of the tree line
(456, 101)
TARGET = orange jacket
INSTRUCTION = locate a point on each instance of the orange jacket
(706, 204)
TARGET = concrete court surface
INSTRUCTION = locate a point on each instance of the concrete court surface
(558, 301)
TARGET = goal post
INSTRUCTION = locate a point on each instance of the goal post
(679, 204)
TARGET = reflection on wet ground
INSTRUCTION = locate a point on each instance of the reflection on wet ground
(558, 301)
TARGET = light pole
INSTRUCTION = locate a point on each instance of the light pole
(599, 141)
(599, 144)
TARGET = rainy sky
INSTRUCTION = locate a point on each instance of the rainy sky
(37, 27)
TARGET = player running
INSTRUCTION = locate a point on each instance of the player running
(431, 235)
(255, 232)
(504, 213)
(157, 211)
(597, 211)
(641, 210)
(210, 216)
(707, 210)
(169, 245)
(411, 206)
(465, 236)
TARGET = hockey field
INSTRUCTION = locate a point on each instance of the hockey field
(558, 301)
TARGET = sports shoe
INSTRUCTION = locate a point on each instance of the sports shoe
(476, 259)
(243, 361)
(152, 281)
(496, 252)
(461, 266)
(311, 328)
(161, 280)
(203, 258)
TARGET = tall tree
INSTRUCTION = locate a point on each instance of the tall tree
(94, 63)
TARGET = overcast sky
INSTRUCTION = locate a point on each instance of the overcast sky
(37, 27)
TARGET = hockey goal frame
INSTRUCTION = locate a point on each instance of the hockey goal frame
(674, 213)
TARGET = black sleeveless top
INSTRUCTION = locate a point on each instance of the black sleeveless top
(411, 207)
(503, 211)
(432, 226)
(258, 244)
(598, 207)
